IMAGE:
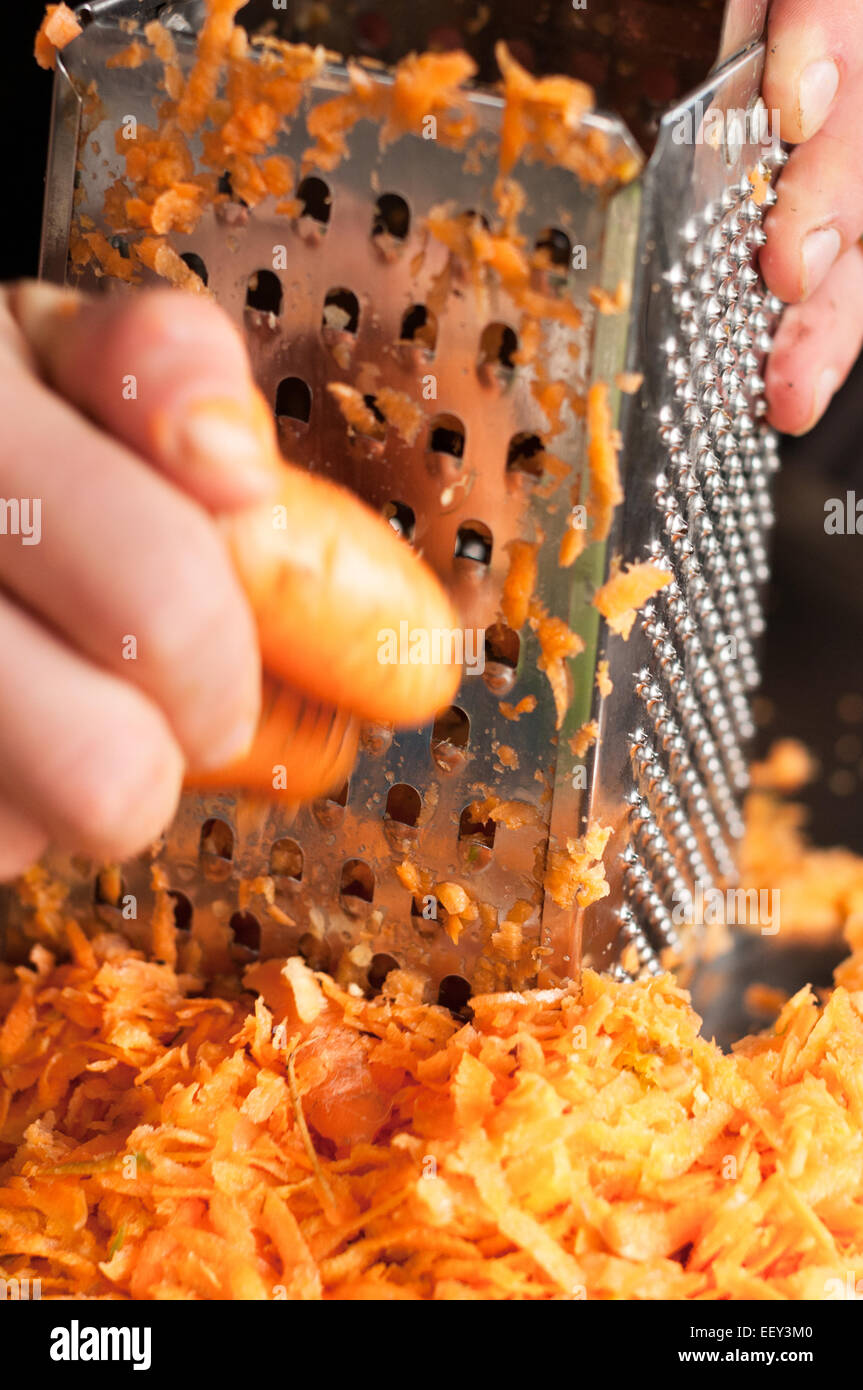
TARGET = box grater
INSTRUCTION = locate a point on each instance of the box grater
(683, 311)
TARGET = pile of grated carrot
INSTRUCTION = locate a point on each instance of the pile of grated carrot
(295, 1141)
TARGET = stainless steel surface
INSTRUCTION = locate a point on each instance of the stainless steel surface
(676, 730)
(671, 763)
(742, 27)
(60, 179)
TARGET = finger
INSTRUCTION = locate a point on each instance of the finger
(301, 750)
(816, 346)
(813, 79)
(331, 586)
(85, 755)
(125, 566)
(814, 56)
(22, 841)
(168, 374)
(818, 213)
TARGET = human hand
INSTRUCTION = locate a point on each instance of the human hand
(812, 258)
(137, 459)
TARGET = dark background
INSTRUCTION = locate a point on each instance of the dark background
(814, 647)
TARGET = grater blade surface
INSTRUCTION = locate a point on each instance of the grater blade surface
(668, 770)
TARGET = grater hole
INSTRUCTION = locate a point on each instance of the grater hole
(425, 921)
(316, 200)
(401, 817)
(475, 839)
(216, 849)
(502, 648)
(381, 965)
(356, 887)
(194, 262)
(404, 805)
(392, 219)
(264, 293)
(453, 994)
(293, 399)
(286, 860)
(446, 436)
(183, 911)
(419, 326)
(231, 211)
(450, 738)
(473, 543)
(497, 348)
(502, 644)
(553, 251)
(378, 427)
(246, 931)
(401, 518)
(329, 810)
(314, 951)
(525, 455)
(341, 311)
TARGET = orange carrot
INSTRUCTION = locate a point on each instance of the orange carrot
(302, 749)
(59, 27)
(331, 587)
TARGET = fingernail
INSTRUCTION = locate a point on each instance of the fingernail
(37, 306)
(826, 387)
(820, 250)
(218, 435)
(816, 90)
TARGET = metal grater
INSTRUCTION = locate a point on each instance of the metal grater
(670, 766)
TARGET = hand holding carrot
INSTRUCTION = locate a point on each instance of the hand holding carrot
(130, 636)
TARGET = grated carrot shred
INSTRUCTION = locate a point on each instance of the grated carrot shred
(624, 592)
(603, 447)
(59, 27)
(579, 1142)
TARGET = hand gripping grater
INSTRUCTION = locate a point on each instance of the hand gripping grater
(360, 303)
